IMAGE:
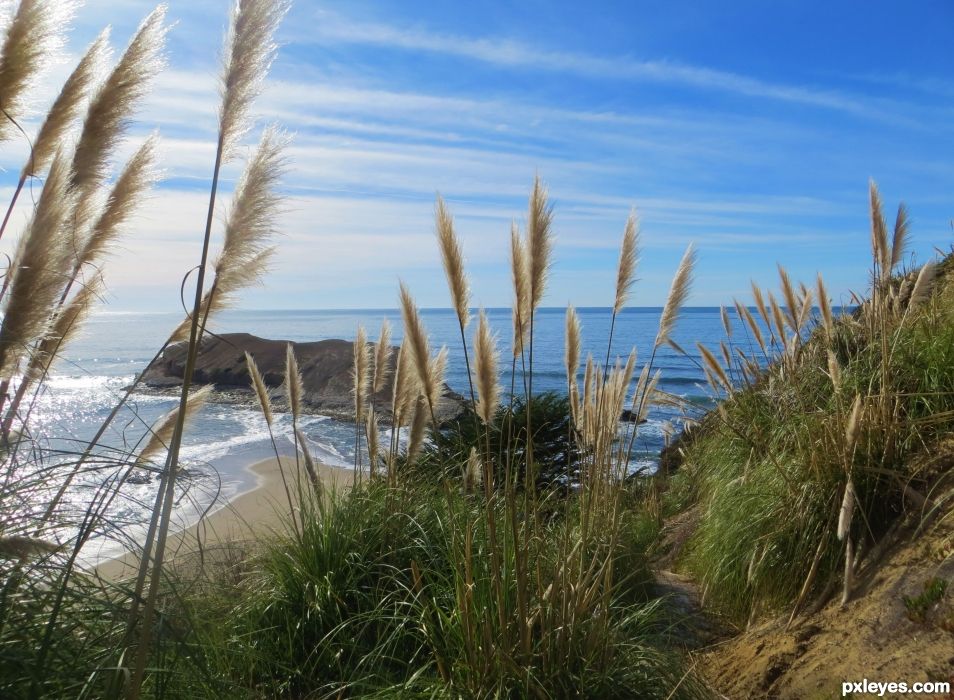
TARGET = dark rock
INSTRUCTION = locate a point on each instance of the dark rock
(629, 416)
(325, 367)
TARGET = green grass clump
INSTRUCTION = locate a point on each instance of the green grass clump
(389, 592)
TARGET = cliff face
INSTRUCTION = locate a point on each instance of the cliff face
(325, 367)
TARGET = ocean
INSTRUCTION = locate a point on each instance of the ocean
(223, 440)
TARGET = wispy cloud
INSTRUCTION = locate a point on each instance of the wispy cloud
(333, 28)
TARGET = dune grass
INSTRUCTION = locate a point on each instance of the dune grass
(826, 439)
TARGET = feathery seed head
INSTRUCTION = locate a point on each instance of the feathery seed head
(294, 388)
(162, 431)
(486, 357)
(128, 191)
(627, 262)
(67, 105)
(899, 241)
(33, 36)
(879, 233)
(261, 391)
(473, 472)
(382, 358)
(846, 511)
(250, 49)
(39, 271)
(453, 260)
(923, 285)
(678, 293)
(110, 111)
(573, 346)
(418, 343)
(828, 319)
(360, 373)
(520, 273)
(539, 242)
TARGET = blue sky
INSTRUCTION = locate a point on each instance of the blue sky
(749, 128)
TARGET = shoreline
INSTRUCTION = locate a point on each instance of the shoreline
(231, 529)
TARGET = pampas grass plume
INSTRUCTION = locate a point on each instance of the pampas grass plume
(573, 346)
(627, 263)
(67, 105)
(678, 293)
(164, 428)
(261, 391)
(453, 260)
(249, 51)
(539, 243)
(486, 357)
(293, 384)
(39, 271)
(32, 37)
(382, 358)
(360, 373)
(847, 510)
(521, 289)
(128, 191)
(111, 108)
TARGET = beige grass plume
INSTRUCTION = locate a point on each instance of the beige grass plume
(436, 370)
(753, 325)
(571, 353)
(899, 242)
(486, 357)
(418, 344)
(382, 358)
(418, 427)
(923, 285)
(853, 427)
(361, 373)
(879, 232)
(24, 547)
(163, 429)
(726, 323)
(824, 305)
(628, 253)
(539, 243)
(38, 272)
(108, 115)
(834, 371)
(760, 304)
(249, 51)
(847, 510)
(792, 307)
(371, 434)
(453, 260)
(261, 391)
(715, 367)
(127, 192)
(311, 469)
(33, 36)
(293, 384)
(249, 227)
(67, 323)
(520, 273)
(67, 105)
(405, 388)
(678, 293)
(473, 472)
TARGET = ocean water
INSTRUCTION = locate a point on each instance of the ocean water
(223, 440)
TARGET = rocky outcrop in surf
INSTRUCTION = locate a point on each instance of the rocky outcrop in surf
(325, 367)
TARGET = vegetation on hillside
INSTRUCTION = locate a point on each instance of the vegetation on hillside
(833, 430)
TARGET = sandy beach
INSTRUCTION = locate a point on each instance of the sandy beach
(227, 532)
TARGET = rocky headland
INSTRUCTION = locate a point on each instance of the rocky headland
(325, 367)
